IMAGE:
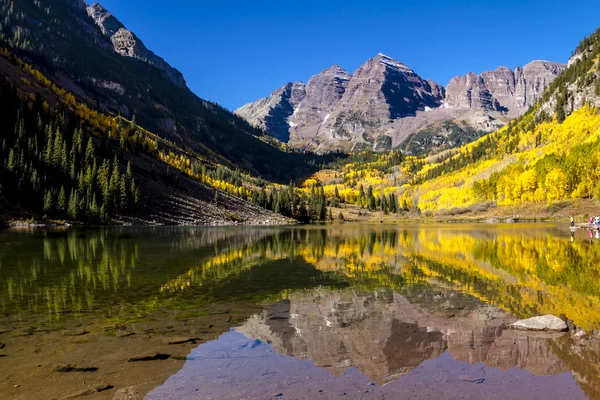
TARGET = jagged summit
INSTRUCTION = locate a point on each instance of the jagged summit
(338, 72)
(348, 111)
(108, 24)
(389, 61)
(384, 101)
(502, 90)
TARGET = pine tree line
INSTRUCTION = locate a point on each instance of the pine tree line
(49, 165)
(291, 202)
(384, 203)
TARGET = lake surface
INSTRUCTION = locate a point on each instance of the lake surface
(338, 311)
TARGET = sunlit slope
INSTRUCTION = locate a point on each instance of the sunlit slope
(551, 162)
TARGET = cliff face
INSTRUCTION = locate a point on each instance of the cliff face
(470, 92)
(388, 336)
(271, 114)
(385, 102)
(579, 85)
(323, 92)
(509, 92)
(379, 92)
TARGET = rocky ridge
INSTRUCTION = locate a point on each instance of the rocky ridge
(383, 102)
(272, 113)
(503, 90)
(579, 85)
(127, 44)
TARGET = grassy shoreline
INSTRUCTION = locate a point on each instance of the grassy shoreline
(580, 209)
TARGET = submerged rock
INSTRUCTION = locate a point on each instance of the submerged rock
(149, 357)
(541, 323)
(182, 340)
(80, 332)
(71, 368)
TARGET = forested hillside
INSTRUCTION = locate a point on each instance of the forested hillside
(62, 160)
(95, 136)
(48, 157)
(549, 155)
(60, 39)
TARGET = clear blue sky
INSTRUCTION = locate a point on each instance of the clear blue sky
(234, 52)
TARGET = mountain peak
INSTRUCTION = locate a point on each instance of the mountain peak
(544, 65)
(337, 72)
(335, 68)
(384, 101)
(108, 24)
(127, 44)
(392, 62)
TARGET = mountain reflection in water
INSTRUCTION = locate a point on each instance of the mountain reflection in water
(421, 343)
(418, 309)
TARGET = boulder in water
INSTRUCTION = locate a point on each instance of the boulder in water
(541, 323)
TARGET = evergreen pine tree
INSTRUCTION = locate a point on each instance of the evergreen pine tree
(72, 208)
(61, 202)
(114, 186)
(35, 181)
(48, 202)
(392, 203)
(371, 199)
(90, 152)
(93, 210)
(384, 206)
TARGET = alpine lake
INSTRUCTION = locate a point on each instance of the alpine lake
(347, 311)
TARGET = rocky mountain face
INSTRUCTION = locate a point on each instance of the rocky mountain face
(379, 92)
(298, 106)
(272, 113)
(579, 85)
(126, 43)
(385, 102)
(503, 90)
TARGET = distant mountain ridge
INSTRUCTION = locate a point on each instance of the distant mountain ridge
(384, 102)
